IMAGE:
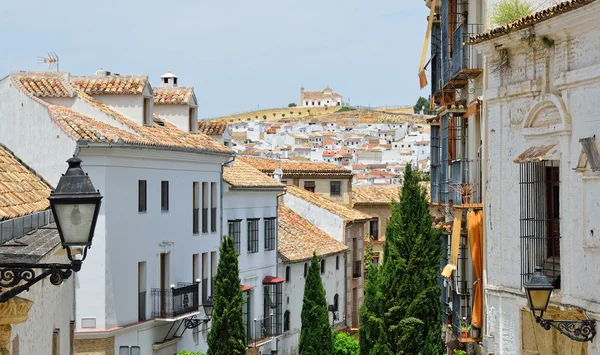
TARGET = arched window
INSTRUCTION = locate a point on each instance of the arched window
(336, 300)
(286, 321)
(288, 274)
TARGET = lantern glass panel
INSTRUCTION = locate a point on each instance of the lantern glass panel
(75, 222)
(538, 299)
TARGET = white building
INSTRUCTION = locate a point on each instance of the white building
(542, 170)
(28, 235)
(250, 200)
(217, 130)
(158, 230)
(320, 98)
(177, 104)
(298, 239)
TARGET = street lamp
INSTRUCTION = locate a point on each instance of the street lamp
(193, 322)
(75, 205)
(538, 290)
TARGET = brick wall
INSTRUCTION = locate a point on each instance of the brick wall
(104, 346)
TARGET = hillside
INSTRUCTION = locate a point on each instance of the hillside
(362, 115)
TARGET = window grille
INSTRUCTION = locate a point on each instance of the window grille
(270, 233)
(335, 188)
(435, 163)
(235, 227)
(540, 219)
(253, 236)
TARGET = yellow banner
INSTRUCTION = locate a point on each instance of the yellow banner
(455, 242)
(422, 76)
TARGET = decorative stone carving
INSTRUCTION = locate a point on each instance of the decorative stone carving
(13, 311)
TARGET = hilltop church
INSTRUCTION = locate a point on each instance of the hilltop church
(320, 98)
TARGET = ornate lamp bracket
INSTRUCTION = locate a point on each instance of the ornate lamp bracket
(578, 330)
(193, 322)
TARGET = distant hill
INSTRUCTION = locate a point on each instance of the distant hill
(362, 115)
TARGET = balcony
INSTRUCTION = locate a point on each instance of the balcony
(175, 302)
(264, 328)
(465, 183)
(464, 63)
(195, 223)
(357, 269)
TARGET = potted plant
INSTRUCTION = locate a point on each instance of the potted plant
(464, 328)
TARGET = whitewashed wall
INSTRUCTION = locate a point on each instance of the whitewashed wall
(179, 115)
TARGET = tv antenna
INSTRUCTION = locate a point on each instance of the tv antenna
(51, 59)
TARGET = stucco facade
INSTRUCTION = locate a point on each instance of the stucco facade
(547, 97)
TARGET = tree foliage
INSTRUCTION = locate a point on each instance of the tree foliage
(185, 352)
(508, 11)
(422, 105)
(401, 313)
(344, 344)
(227, 332)
(315, 335)
(292, 104)
(346, 109)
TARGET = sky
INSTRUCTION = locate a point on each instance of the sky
(239, 55)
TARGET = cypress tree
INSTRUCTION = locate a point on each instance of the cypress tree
(403, 310)
(315, 335)
(227, 332)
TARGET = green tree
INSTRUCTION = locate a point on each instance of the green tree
(264, 117)
(401, 312)
(292, 104)
(227, 334)
(315, 335)
(274, 114)
(422, 104)
(369, 253)
(185, 352)
(346, 108)
(344, 344)
(507, 11)
(283, 115)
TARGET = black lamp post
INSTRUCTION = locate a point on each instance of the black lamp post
(333, 309)
(75, 205)
(194, 322)
(538, 291)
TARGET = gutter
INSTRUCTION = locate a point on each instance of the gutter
(122, 144)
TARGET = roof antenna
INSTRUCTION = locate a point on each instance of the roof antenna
(51, 59)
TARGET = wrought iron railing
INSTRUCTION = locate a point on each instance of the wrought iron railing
(465, 184)
(195, 221)
(461, 312)
(265, 327)
(204, 220)
(357, 269)
(465, 57)
(175, 302)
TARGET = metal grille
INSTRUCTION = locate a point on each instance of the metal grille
(253, 236)
(444, 159)
(540, 219)
(270, 233)
(435, 164)
(247, 316)
(235, 228)
(175, 302)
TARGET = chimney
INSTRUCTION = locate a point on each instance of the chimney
(278, 174)
(169, 80)
(100, 72)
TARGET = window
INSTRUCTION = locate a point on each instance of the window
(204, 207)
(141, 195)
(305, 269)
(213, 207)
(213, 271)
(374, 228)
(322, 266)
(540, 219)
(195, 208)
(273, 304)
(335, 188)
(337, 262)
(336, 302)
(288, 274)
(253, 235)
(193, 120)
(195, 268)
(309, 186)
(284, 182)
(148, 111)
(164, 195)
(204, 277)
(141, 291)
(56, 342)
(286, 321)
(247, 314)
(235, 228)
(270, 233)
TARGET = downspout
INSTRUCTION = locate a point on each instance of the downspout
(484, 172)
(221, 193)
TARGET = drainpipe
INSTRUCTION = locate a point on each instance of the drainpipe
(484, 177)
(221, 191)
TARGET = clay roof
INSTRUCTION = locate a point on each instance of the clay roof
(375, 195)
(21, 191)
(111, 84)
(298, 238)
(347, 213)
(180, 95)
(45, 84)
(530, 20)
(297, 168)
(243, 175)
(212, 128)
(320, 95)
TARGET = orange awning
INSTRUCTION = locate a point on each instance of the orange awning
(475, 230)
(272, 280)
(246, 288)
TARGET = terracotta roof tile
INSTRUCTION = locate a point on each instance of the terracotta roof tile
(327, 204)
(212, 128)
(297, 168)
(21, 191)
(180, 95)
(111, 84)
(243, 175)
(45, 84)
(375, 195)
(530, 20)
(298, 238)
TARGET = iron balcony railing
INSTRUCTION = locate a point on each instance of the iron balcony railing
(357, 269)
(461, 312)
(265, 327)
(204, 220)
(195, 220)
(175, 302)
(465, 182)
(465, 57)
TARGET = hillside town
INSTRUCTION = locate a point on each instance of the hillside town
(461, 225)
